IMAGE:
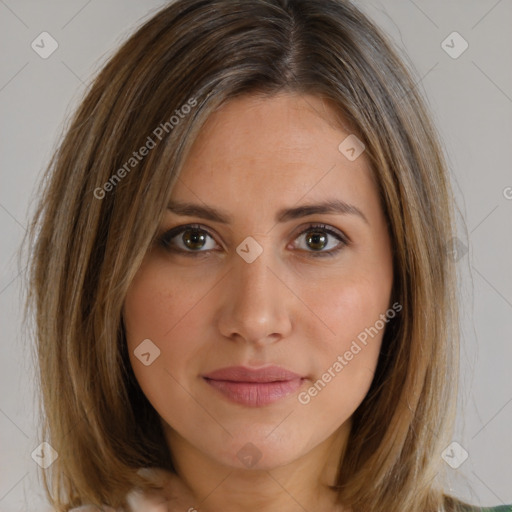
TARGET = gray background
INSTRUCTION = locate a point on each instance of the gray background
(471, 98)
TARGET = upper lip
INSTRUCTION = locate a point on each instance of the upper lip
(244, 374)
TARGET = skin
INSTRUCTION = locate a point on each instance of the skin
(254, 157)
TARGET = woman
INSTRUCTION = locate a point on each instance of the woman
(241, 274)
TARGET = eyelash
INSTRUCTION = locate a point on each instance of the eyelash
(164, 240)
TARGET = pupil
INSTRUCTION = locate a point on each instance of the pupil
(317, 238)
(192, 237)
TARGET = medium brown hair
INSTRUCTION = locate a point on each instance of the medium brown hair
(95, 222)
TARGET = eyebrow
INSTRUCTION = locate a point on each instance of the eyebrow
(333, 206)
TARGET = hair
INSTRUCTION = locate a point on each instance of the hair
(101, 205)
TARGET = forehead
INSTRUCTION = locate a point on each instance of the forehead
(281, 126)
(271, 152)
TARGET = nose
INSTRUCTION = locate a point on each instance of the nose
(256, 304)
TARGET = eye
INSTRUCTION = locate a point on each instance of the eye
(317, 238)
(188, 239)
(192, 240)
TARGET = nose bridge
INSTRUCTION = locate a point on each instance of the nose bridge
(254, 305)
(255, 280)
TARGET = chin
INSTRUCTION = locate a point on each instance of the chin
(260, 452)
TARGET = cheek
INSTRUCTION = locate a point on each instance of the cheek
(157, 309)
(347, 355)
(158, 303)
(351, 304)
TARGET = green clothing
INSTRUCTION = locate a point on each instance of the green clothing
(502, 508)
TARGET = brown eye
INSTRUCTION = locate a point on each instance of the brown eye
(316, 240)
(319, 237)
(189, 239)
(193, 239)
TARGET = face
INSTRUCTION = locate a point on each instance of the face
(254, 325)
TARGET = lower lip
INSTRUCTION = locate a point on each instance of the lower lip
(256, 394)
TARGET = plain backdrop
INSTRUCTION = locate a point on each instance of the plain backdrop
(470, 95)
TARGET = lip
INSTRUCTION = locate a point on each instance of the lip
(254, 387)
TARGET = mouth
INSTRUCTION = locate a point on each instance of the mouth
(254, 387)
